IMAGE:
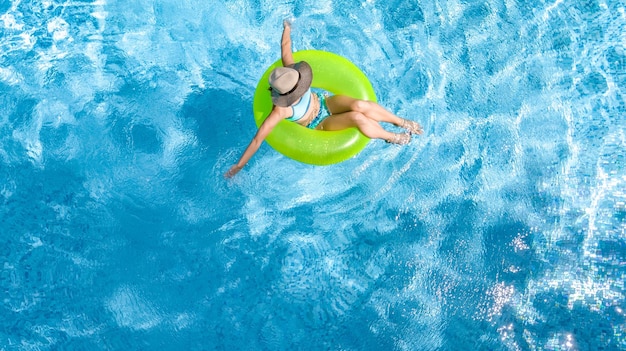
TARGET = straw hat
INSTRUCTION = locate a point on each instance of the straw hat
(289, 83)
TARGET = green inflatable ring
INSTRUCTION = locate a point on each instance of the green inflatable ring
(335, 74)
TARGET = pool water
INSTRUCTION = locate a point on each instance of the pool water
(501, 228)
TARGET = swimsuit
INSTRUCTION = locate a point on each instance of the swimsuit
(299, 109)
(302, 107)
(323, 112)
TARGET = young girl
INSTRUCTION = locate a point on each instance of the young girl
(294, 101)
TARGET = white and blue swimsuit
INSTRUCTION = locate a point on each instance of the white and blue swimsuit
(302, 106)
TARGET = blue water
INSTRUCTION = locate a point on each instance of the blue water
(501, 228)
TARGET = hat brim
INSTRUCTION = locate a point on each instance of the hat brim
(304, 83)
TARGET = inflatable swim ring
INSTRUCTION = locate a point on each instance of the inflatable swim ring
(335, 74)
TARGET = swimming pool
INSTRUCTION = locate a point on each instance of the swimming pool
(501, 228)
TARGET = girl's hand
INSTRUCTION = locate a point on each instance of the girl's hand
(232, 171)
(286, 24)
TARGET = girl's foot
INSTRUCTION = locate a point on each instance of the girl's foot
(411, 126)
(400, 139)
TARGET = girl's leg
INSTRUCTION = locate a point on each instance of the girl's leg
(342, 103)
(369, 127)
(372, 110)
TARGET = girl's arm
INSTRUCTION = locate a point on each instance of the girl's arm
(277, 114)
(285, 44)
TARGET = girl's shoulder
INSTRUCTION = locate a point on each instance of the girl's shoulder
(282, 112)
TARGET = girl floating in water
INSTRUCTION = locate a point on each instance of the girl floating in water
(294, 101)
